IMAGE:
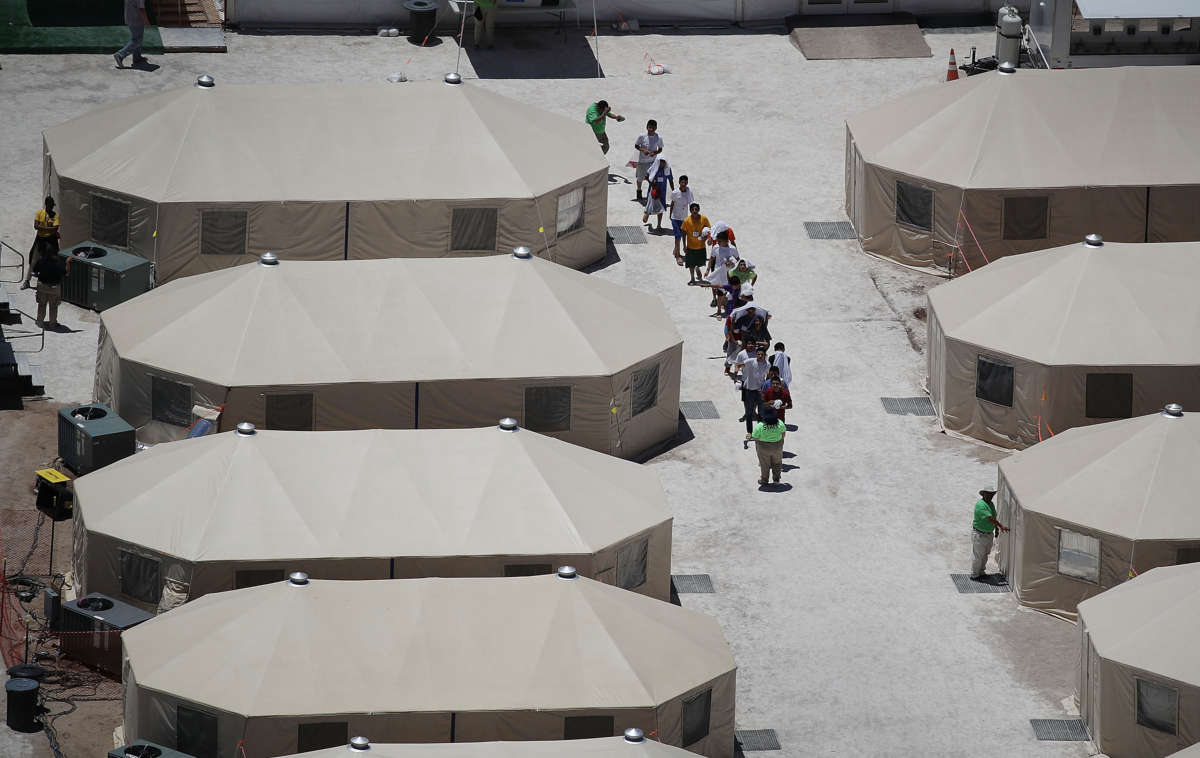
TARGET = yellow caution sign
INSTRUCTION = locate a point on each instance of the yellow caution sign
(52, 475)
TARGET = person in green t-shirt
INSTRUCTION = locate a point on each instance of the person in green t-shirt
(983, 533)
(597, 112)
(485, 23)
(768, 442)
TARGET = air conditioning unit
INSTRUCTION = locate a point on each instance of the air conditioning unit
(92, 436)
(101, 277)
(143, 749)
(90, 630)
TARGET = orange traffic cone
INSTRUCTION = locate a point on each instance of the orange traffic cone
(952, 72)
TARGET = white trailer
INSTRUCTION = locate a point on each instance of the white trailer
(1092, 33)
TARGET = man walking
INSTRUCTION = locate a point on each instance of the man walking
(597, 112)
(754, 374)
(648, 145)
(46, 222)
(135, 19)
(768, 443)
(681, 200)
(695, 255)
(983, 533)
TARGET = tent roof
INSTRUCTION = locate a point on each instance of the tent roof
(373, 493)
(450, 645)
(1042, 128)
(394, 320)
(1121, 304)
(607, 747)
(1150, 623)
(1135, 478)
(332, 141)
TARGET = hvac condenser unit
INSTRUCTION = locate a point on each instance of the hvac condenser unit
(143, 749)
(93, 436)
(101, 277)
(91, 627)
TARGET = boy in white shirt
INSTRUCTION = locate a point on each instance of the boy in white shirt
(681, 199)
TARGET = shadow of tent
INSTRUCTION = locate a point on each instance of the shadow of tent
(683, 435)
(534, 53)
(610, 257)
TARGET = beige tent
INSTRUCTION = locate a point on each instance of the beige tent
(1032, 159)
(397, 344)
(373, 504)
(1094, 503)
(606, 747)
(1139, 687)
(1034, 345)
(284, 668)
(201, 178)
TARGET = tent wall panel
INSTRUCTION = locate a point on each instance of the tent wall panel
(493, 726)
(965, 414)
(1172, 214)
(639, 433)
(75, 207)
(880, 233)
(352, 405)
(130, 394)
(1120, 735)
(275, 736)
(416, 567)
(719, 742)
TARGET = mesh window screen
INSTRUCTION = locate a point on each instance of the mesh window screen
(322, 736)
(1026, 218)
(645, 389)
(528, 569)
(548, 409)
(914, 206)
(110, 221)
(1079, 556)
(1109, 396)
(473, 229)
(631, 564)
(587, 727)
(570, 211)
(1157, 706)
(195, 732)
(139, 577)
(993, 381)
(170, 401)
(292, 413)
(256, 577)
(1187, 555)
(696, 711)
(223, 232)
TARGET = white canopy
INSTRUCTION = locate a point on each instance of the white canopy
(610, 747)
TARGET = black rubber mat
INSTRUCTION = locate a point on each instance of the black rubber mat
(699, 584)
(908, 406)
(757, 739)
(968, 586)
(829, 230)
(1059, 730)
(698, 409)
(627, 235)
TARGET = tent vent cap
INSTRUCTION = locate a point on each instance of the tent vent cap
(567, 572)
(522, 252)
(268, 259)
(452, 78)
(245, 429)
(360, 743)
(204, 81)
(1173, 410)
(508, 424)
(633, 734)
(1007, 68)
(1093, 240)
(298, 579)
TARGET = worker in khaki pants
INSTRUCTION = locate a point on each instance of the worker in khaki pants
(485, 23)
(983, 533)
(768, 442)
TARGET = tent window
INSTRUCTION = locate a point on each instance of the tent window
(914, 206)
(322, 736)
(223, 232)
(139, 577)
(1026, 218)
(631, 564)
(548, 409)
(528, 569)
(170, 401)
(195, 732)
(696, 710)
(1079, 556)
(473, 229)
(293, 413)
(993, 381)
(1109, 396)
(645, 389)
(256, 578)
(570, 211)
(1187, 555)
(587, 727)
(110, 221)
(1157, 706)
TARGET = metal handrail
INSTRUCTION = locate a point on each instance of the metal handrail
(9, 337)
(1031, 44)
(21, 265)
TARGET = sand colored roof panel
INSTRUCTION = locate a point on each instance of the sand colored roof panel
(607, 747)
(324, 142)
(1122, 304)
(1150, 623)
(457, 645)
(1042, 128)
(373, 493)
(310, 322)
(1136, 478)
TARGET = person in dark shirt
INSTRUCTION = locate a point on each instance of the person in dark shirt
(50, 271)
